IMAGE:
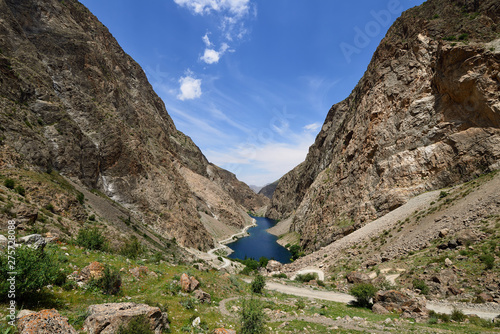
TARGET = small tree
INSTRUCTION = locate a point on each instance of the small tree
(35, 269)
(252, 317)
(363, 292)
(258, 284)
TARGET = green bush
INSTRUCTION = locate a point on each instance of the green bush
(60, 279)
(457, 315)
(138, 325)
(35, 269)
(252, 317)
(296, 252)
(9, 183)
(92, 239)
(488, 260)
(280, 275)
(188, 303)
(80, 197)
(263, 261)
(363, 293)
(300, 304)
(20, 190)
(443, 194)
(304, 278)
(132, 248)
(421, 285)
(258, 284)
(110, 283)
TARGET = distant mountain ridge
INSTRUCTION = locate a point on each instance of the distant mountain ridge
(269, 189)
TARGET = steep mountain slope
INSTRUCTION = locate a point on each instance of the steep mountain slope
(425, 115)
(72, 100)
(269, 189)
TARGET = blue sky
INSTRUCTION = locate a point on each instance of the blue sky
(250, 81)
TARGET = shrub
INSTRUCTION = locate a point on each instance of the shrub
(138, 325)
(280, 275)
(296, 252)
(258, 284)
(91, 239)
(80, 197)
(252, 317)
(35, 269)
(443, 194)
(188, 303)
(9, 183)
(263, 261)
(173, 288)
(20, 190)
(304, 278)
(110, 283)
(132, 248)
(421, 285)
(488, 260)
(363, 293)
(300, 304)
(457, 315)
(60, 279)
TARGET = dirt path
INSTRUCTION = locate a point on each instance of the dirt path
(223, 243)
(484, 312)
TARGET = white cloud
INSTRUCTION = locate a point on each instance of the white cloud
(206, 40)
(210, 56)
(235, 7)
(312, 127)
(190, 87)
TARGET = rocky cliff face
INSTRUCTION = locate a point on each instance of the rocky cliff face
(72, 100)
(425, 115)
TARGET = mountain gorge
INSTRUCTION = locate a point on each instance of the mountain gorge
(73, 102)
(424, 116)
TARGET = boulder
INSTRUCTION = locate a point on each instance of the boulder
(273, 266)
(445, 277)
(444, 232)
(94, 270)
(486, 297)
(396, 301)
(107, 318)
(3, 241)
(377, 308)
(203, 296)
(188, 284)
(448, 262)
(223, 331)
(357, 277)
(142, 271)
(35, 241)
(44, 322)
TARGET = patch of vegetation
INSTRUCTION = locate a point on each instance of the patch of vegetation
(304, 278)
(296, 252)
(363, 293)
(252, 317)
(280, 275)
(421, 285)
(258, 284)
(488, 260)
(109, 283)
(80, 197)
(457, 315)
(9, 183)
(132, 248)
(20, 190)
(35, 269)
(92, 239)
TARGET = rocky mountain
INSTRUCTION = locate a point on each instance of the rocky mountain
(269, 189)
(72, 101)
(425, 115)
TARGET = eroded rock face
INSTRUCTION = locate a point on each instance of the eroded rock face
(424, 116)
(44, 322)
(72, 100)
(107, 318)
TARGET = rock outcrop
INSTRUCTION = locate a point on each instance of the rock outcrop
(107, 318)
(424, 116)
(73, 101)
(44, 322)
